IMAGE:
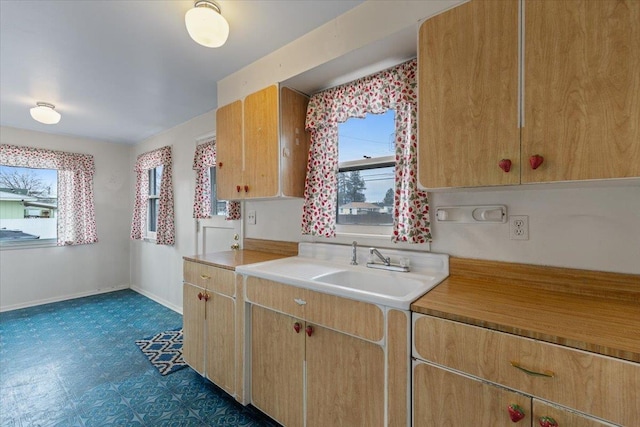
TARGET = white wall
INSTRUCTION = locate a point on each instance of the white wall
(156, 270)
(39, 275)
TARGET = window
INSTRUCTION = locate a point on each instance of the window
(218, 207)
(366, 166)
(28, 205)
(155, 179)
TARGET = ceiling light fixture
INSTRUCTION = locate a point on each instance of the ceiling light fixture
(206, 25)
(45, 113)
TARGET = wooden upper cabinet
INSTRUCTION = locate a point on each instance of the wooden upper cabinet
(468, 96)
(582, 89)
(261, 143)
(269, 145)
(229, 156)
(576, 71)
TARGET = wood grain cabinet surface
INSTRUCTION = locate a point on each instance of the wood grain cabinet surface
(320, 360)
(209, 323)
(589, 383)
(262, 145)
(569, 93)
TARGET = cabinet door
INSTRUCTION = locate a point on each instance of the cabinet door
(563, 417)
(261, 145)
(193, 327)
(468, 96)
(444, 398)
(295, 142)
(345, 380)
(221, 343)
(277, 366)
(229, 151)
(582, 89)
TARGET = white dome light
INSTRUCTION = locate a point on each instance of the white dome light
(45, 113)
(206, 25)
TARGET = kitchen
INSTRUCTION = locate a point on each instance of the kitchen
(588, 225)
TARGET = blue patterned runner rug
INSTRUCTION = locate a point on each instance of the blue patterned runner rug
(164, 351)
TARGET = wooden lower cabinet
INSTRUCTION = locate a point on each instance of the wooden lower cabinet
(445, 398)
(342, 377)
(464, 372)
(277, 366)
(193, 327)
(209, 324)
(345, 380)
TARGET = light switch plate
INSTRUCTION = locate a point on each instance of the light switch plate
(251, 217)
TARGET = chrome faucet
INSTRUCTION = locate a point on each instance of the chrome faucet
(354, 255)
(386, 261)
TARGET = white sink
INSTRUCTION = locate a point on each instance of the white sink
(326, 268)
(378, 282)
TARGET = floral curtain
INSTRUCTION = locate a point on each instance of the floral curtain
(203, 160)
(165, 232)
(395, 89)
(76, 207)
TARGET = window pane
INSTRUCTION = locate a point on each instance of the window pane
(365, 197)
(366, 189)
(218, 207)
(373, 136)
(154, 205)
(28, 204)
(155, 178)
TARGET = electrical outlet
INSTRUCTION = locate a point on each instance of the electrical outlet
(251, 217)
(519, 227)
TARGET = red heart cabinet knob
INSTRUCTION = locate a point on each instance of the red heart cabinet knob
(220, 164)
(535, 161)
(237, 188)
(516, 413)
(505, 165)
(297, 327)
(200, 296)
(309, 330)
(548, 422)
(246, 188)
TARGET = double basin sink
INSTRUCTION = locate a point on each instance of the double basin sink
(334, 275)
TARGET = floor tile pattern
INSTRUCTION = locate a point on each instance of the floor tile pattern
(75, 363)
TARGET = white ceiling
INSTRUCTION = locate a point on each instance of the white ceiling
(125, 70)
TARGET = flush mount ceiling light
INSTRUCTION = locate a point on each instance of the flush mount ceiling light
(206, 25)
(45, 113)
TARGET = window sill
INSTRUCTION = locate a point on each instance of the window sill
(45, 243)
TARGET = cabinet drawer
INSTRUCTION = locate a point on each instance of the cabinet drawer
(211, 278)
(276, 295)
(352, 317)
(601, 386)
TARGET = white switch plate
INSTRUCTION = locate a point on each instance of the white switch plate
(251, 217)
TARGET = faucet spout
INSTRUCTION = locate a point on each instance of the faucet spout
(385, 260)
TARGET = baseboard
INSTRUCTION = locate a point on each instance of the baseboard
(157, 299)
(62, 298)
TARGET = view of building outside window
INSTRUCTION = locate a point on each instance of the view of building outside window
(366, 153)
(28, 204)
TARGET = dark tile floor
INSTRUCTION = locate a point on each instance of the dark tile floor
(75, 363)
